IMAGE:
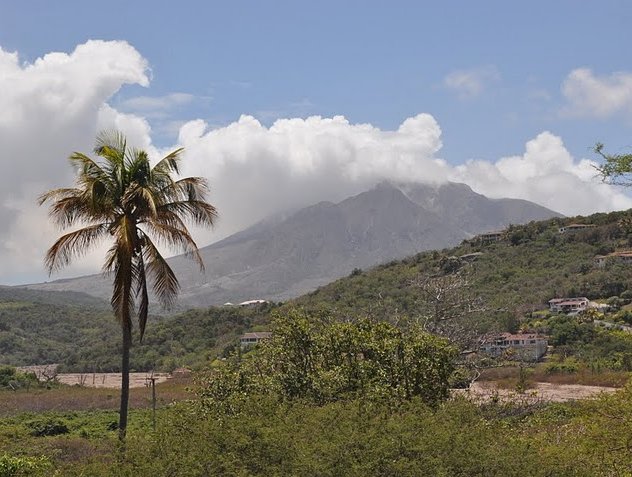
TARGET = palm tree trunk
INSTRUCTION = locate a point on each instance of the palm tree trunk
(127, 343)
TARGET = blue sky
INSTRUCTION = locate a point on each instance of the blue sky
(285, 103)
(375, 62)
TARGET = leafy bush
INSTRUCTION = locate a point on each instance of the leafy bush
(11, 378)
(568, 365)
(319, 360)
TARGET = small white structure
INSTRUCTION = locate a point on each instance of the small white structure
(253, 302)
(569, 305)
(524, 346)
(253, 338)
(470, 257)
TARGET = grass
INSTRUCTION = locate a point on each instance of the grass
(76, 398)
(71, 424)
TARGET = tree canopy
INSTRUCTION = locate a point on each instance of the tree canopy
(616, 168)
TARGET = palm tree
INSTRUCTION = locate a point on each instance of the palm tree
(121, 197)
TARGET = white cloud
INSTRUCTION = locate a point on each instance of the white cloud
(57, 104)
(597, 96)
(48, 109)
(546, 174)
(471, 83)
(256, 171)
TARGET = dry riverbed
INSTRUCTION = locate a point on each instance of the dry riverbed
(110, 380)
(485, 391)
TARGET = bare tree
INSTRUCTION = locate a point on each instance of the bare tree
(448, 306)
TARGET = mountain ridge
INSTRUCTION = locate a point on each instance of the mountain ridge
(287, 255)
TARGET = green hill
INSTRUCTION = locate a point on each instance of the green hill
(520, 273)
(85, 338)
(505, 280)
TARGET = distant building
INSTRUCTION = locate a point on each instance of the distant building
(623, 256)
(253, 302)
(490, 237)
(470, 257)
(569, 305)
(575, 227)
(523, 346)
(248, 339)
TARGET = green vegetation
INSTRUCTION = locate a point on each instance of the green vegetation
(12, 379)
(533, 264)
(318, 360)
(83, 339)
(328, 398)
(507, 285)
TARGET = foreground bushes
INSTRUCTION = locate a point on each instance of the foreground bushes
(354, 439)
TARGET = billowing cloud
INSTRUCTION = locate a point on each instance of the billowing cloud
(49, 108)
(589, 95)
(547, 174)
(471, 83)
(256, 171)
(58, 103)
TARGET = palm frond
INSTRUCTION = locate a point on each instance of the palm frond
(73, 244)
(169, 164)
(57, 194)
(178, 237)
(165, 283)
(141, 200)
(143, 307)
(197, 211)
(120, 260)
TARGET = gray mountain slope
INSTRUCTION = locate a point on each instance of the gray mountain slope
(285, 257)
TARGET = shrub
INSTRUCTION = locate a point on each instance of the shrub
(11, 466)
(48, 427)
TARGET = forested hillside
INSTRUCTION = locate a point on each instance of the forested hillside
(505, 280)
(531, 264)
(86, 339)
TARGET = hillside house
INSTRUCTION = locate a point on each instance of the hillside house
(575, 227)
(522, 346)
(248, 339)
(490, 237)
(623, 256)
(569, 305)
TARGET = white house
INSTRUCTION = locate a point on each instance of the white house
(569, 305)
(490, 237)
(524, 346)
(248, 339)
(253, 302)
